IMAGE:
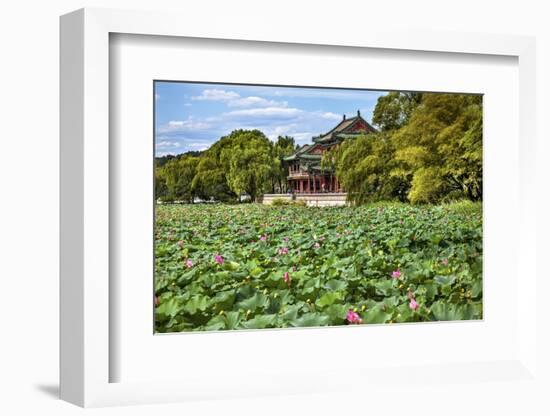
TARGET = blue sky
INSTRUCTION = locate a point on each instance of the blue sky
(192, 116)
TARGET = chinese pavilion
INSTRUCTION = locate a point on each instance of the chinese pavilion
(305, 174)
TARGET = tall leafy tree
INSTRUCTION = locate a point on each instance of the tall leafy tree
(284, 146)
(441, 148)
(210, 181)
(429, 149)
(394, 110)
(250, 162)
(177, 175)
(364, 167)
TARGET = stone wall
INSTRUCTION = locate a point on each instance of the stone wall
(311, 200)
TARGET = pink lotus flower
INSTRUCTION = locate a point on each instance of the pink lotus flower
(189, 263)
(413, 304)
(283, 250)
(317, 245)
(396, 274)
(445, 262)
(263, 237)
(353, 317)
(218, 259)
(287, 278)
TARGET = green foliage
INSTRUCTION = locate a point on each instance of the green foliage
(280, 202)
(441, 147)
(249, 162)
(363, 167)
(174, 179)
(394, 109)
(243, 162)
(337, 258)
(429, 150)
(284, 146)
(427, 185)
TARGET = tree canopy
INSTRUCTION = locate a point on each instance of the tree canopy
(243, 162)
(428, 149)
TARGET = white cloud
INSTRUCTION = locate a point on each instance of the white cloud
(216, 95)
(303, 137)
(256, 102)
(176, 123)
(183, 125)
(163, 144)
(270, 112)
(333, 94)
(331, 116)
(160, 153)
(233, 99)
(199, 146)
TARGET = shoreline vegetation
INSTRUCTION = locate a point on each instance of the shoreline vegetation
(427, 149)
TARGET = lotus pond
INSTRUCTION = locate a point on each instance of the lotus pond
(250, 266)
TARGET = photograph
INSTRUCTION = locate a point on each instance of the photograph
(293, 206)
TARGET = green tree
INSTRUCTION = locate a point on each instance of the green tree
(284, 146)
(364, 167)
(161, 190)
(394, 110)
(441, 148)
(429, 149)
(177, 175)
(249, 163)
(210, 179)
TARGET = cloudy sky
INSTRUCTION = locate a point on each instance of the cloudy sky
(192, 116)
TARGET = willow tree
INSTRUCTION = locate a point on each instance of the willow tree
(175, 179)
(394, 109)
(249, 163)
(429, 149)
(284, 146)
(364, 167)
(441, 148)
(210, 182)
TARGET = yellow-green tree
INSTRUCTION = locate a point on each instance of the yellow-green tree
(249, 163)
(176, 178)
(429, 149)
(440, 148)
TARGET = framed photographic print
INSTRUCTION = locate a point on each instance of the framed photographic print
(261, 224)
(284, 213)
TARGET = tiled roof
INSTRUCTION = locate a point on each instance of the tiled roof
(340, 131)
(342, 127)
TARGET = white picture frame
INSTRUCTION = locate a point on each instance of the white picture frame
(86, 218)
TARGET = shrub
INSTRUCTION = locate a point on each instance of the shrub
(281, 202)
(465, 207)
